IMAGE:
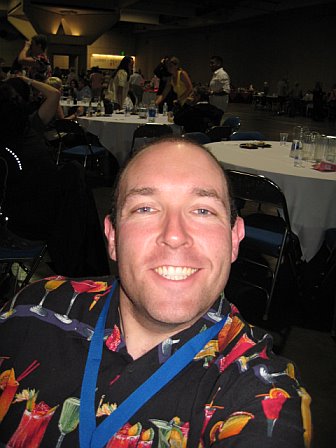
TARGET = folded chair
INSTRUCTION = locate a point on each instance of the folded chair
(75, 142)
(150, 130)
(15, 250)
(232, 122)
(267, 233)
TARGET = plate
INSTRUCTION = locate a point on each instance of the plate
(249, 145)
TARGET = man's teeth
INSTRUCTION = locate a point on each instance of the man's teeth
(175, 272)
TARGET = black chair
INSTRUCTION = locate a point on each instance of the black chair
(232, 122)
(219, 133)
(74, 142)
(198, 137)
(150, 131)
(14, 250)
(267, 232)
(247, 135)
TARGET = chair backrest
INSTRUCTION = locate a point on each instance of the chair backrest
(151, 130)
(69, 127)
(259, 189)
(198, 137)
(219, 133)
(233, 122)
(247, 135)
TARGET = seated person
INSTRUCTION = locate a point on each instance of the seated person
(197, 114)
(217, 383)
(43, 201)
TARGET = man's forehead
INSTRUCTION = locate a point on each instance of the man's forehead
(188, 158)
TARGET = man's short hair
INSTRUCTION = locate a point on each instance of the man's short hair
(174, 139)
(40, 39)
(202, 92)
(217, 59)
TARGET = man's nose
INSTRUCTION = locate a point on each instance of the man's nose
(175, 231)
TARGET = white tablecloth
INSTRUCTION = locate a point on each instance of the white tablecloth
(310, 194)
(115, 133)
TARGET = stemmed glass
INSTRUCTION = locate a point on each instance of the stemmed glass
(79, 287)
(7, 314)
(50, 285)
(69, 418)
(217, 316)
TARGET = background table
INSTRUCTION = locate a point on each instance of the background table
(115, 133)
(310, 194)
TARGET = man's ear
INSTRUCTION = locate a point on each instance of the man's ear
(111, 237)
(238, 233)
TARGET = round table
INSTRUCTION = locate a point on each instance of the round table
(115, 132)
(310, 194)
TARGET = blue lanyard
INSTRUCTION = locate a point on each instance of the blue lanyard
(91, 436)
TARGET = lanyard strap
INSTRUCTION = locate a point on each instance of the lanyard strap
(89, 435)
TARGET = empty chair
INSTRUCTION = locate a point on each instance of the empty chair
(247, 135)
(75, 142)
(219, 133)
(266, 233)
(233, 122)
(150, 130)
(198, 137)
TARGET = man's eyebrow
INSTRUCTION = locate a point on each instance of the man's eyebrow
(141, 191)
(207, 192)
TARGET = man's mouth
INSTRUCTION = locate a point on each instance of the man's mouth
(175, 272)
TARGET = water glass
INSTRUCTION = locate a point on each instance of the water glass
(283, 138)
(151, 114)
(321, 148)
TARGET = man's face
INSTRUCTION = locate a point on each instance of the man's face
(173, 240)
(214, 65)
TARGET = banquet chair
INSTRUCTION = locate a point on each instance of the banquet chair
(15, 251)
(198, 137)
(219, 133)
(150, 131)
(233, 122)
(247, 135)
(75, 142)
(267, 233)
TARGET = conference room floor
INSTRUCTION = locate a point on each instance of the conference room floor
(310, 347)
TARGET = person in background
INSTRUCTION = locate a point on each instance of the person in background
(219, 84)
(331, 103)
(282, 91)
(137, 85)
(162, 74)
(34, 56)
(96, 81)
(197, 114)
(43, 201)
(180, 83)
(72, 75)
(119, 84)
(84, 90)
(174, 232)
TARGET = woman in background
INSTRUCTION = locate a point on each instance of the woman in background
(180, 82)
(119, 84)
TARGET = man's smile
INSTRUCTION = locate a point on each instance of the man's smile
(175, 272)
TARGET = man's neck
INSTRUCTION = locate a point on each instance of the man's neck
(141, 336)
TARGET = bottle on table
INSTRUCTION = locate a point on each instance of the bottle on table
(165, 110)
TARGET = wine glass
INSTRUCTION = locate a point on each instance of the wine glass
(49, 286)
(69, 418)
(65, 317)
(217, 315)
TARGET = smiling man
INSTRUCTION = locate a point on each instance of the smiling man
(152, 358)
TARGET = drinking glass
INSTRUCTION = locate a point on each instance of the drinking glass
(49, 286)
(69, 418)
(283, 138)
(217, 315)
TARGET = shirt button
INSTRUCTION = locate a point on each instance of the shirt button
(130, 369)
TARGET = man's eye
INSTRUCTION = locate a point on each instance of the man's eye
(203, 211)
(144, 209)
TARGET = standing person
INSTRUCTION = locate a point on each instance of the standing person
(96, 80)
(137, 85)
(162, 74)
(118, 87)
(180, 82)
(34, 56)
(219, 84)
(174, 233)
